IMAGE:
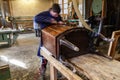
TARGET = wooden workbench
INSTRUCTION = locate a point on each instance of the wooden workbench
(94, 67)
(97, 67)
(8, 36)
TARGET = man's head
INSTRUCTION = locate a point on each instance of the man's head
(55, 10)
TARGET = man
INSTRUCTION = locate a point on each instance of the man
(45, 19)
(49, 17)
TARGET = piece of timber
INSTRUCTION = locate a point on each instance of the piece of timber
(97, 67)
(60, 67)
(112, 46)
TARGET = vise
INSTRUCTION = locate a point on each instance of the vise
(65, 40)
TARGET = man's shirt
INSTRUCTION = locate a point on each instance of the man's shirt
(44, 19)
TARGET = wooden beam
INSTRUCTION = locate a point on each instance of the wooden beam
(60, 67)
(8, 1)
(53, 73)
(2, 9)
(112, 46)
(103, 9)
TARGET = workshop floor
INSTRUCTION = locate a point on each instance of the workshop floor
(22, 59)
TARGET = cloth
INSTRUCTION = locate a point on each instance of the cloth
(36, 25)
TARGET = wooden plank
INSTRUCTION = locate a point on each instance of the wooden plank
(60, 67)
(112, 46)
(97, 67)
(1, 43)
(103, 9)
(53, 73)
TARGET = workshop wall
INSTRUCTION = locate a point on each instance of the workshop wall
(28, 7)
(80, 1)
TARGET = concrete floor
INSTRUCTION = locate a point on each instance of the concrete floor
(22, 58)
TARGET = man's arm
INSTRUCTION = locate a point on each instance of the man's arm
(43, 18)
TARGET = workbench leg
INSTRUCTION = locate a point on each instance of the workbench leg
(53, 73)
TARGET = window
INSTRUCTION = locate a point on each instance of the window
(64, 6)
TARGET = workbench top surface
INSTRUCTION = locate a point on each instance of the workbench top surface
(97, 67)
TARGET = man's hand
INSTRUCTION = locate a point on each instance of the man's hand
(60, 22)
(53, 21)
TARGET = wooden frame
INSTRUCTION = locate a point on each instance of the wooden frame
(54, 64)
(89, 65)
(112, 46)
(62, 10)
